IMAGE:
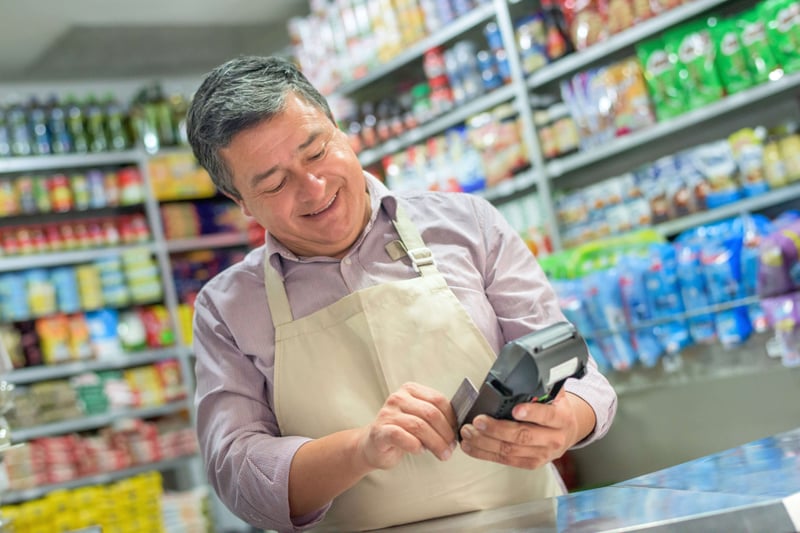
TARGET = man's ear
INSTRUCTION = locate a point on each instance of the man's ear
(240, 203)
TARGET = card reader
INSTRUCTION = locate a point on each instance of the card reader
(531, 368)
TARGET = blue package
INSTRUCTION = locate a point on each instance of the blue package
(750, 259)
(571, 300)
(722, 270)
(663, 299)
(694, 293)
(634, 302)
(604, 305)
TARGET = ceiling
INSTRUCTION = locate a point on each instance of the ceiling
(43, 40)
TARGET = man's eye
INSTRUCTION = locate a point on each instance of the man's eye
(318, 155)
(276, 188)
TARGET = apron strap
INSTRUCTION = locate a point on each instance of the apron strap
(277, 299)
(420, 255)
(410, 240)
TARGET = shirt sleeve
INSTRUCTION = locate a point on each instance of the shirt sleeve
(524, 301)
(247, 462)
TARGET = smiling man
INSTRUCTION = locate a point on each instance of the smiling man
(326, 358)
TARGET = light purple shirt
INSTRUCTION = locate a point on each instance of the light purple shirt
(485, 263)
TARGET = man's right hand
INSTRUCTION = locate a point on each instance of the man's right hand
(413, 419)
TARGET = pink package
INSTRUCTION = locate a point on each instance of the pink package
(783, 315)
(779, 268)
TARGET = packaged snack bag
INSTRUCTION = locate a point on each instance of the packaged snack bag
(586, 22)
(748, 151)
(782, 18)
(660, 71)
(756, 45)
(631, 104)
(730, 60)
(694, 48)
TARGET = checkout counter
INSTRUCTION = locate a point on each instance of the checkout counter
(751, 488)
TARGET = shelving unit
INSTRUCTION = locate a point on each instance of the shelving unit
(19, 496)
(157, 247)
(97, 421)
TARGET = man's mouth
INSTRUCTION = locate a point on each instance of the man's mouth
(326, 206)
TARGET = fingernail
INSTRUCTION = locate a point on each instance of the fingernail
(467, 432)
(480, 424)
(522, 412)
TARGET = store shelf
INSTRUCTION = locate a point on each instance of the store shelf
(18, 496)
(472, 19)
(95, 421)
(56, 162)
(127, 360)
(429, 129)
(662, 130)
(206, 242)
(700, 364)
(24, 262)
(747, 205)
(505, 189)
(639, 32)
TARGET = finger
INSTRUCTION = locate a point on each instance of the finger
(520, 433)
(427, 436)
(389, 436)
(434, 397)
(432, 407)
(543, 414)
(480, 446)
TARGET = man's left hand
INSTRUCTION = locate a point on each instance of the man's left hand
(539, 434)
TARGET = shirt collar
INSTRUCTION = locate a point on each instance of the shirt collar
(380, 197)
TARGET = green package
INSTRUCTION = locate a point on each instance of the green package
(782, 18)
(756, 46)
(730, 60)
(660, 70)
(695, 51)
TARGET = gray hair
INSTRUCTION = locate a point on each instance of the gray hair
(238, 95)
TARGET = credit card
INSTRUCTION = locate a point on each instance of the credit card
(463, 399)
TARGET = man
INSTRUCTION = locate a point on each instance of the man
(326, 358)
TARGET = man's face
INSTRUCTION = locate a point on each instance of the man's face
(299, 178)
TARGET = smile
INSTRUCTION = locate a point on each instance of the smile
(325, 207)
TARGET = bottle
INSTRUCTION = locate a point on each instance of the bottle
(37, 125)
(5, 138)
(558, 43)
(75, 126)
(60, 138)
(95, 126)
(18, 130)
(116, 127)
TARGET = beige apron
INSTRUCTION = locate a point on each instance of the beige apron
(335, 368)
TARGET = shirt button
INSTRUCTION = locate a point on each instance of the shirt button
(346, 260)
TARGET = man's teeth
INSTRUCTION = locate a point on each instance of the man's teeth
(324, 208)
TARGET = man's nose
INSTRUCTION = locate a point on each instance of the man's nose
(311, 184)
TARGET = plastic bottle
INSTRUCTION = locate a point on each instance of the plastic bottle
(18, 130)
(75, 126)
(37, 125)
(60, 138)
(95, 126)
(5, 138)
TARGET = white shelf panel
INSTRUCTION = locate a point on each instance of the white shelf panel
(520, 182)
(56, 162)
(95, 421)
(204, 242)
(97, 479)
(661, 130)
(437, 125)
(579, 60)
(22, 262)
(770, 198)
(472, 19)
(127, 360)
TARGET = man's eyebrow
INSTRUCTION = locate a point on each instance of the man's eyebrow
(261, 176)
